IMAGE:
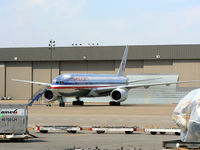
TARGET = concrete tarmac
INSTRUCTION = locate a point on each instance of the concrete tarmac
(96, 114)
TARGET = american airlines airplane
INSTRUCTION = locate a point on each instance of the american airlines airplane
(92, 85)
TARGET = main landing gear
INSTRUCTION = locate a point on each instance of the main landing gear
(62, 103)
(48, 105)
(113, 103)
(78, 102)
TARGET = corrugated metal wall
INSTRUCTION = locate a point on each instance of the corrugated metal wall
(136, 52)
(132, 67)
(73, 67)
(188, 70)
(18, 70)
(41, 73)
(101, 67)
(158, 66)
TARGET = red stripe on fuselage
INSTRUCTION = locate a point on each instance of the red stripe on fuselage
(79, 87)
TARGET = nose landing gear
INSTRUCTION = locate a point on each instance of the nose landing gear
(62, 103)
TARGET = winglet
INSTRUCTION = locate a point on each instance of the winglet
(123, 63)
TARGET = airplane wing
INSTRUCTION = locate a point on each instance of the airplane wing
(109, 89)
(38, 83)
(134, 81)
(156, 84)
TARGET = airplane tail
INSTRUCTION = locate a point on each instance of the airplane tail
(123, 63)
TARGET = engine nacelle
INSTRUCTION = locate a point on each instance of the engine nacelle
(49, 96)
(119, 95)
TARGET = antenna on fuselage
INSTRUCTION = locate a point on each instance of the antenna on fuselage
(122, 66)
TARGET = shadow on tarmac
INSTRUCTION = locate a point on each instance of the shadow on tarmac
(105, 105)
(24, 141)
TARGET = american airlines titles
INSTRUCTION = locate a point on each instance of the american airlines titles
(9, 112)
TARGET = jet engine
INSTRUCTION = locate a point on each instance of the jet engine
(119, 95)
(49, 96)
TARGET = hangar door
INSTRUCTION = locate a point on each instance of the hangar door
(132, 67)
(42, 71)
(104, 67)
(18, 70)
(101, 67)
(73, 67)
(188, 70)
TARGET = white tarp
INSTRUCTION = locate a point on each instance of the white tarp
(187, 116)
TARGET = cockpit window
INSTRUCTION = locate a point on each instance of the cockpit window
(59, 82)
(66, 77)
(62, 79)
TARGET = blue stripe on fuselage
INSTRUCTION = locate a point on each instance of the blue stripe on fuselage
(88, 79)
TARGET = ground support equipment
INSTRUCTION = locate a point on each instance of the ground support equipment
(14, 137)
(46, 129)
(163, 131)
(179, 145)
(126, 130)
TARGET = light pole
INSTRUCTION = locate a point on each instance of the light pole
(51, 48)
(4, 83)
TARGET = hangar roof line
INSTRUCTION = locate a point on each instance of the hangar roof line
(78, 53)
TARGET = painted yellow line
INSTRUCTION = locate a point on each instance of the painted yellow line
(148, 97)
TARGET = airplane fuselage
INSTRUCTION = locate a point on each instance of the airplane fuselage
(82, 85)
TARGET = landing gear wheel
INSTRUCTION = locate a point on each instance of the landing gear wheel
(71, 131)
(153, 133)
(177, 133)
(128, 132)
(100, 132)
(48, 105)
(162, 132)
(113, 103)
(62, 104)
(43, 131)
(80, 103)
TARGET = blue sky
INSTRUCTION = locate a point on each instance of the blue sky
(31, 23)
